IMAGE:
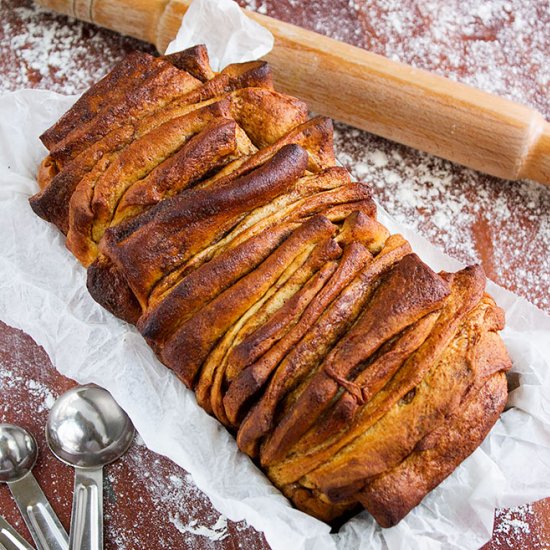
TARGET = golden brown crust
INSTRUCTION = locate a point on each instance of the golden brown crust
(312, 135)
(248, 75)
(207, 282)
(287, 210)
(310, 502)
(129, 174)
(52, 203)
(196, 337)
(251, 74)
(211, 386)
(390, 496)
(412, 290)
(110, 289)
(130, 72)
(252, 362)
(164, 84)
(239, 248)
(166, 236)
(218, 143)
(46, 172)
(212, 215)
(92, 205)
(193, 60)
(466, 291)
(369, 382)
(265, 115)
(297, 354)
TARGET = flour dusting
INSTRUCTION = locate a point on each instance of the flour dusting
(514, 525)
(171, 492)
(42, 396)
(41, 49)
(217, 532)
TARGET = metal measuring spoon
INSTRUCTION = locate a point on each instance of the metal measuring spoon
(10, 539)
(18, 453)
(87, 429)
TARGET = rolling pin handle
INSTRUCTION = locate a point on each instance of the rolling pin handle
(537, 164)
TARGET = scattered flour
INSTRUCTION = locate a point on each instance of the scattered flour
(475, 218)
(41, 395)
(513, 526)
(176, 481)
(40, 49)
(217, 532)
(162, 487)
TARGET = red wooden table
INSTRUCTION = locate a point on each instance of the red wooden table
(500, 46)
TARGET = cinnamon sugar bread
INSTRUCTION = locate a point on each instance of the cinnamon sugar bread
(210, 213)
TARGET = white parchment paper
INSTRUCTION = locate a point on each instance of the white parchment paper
(221, 26)
(43, 292)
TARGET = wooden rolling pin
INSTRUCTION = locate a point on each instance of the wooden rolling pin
(411, 106)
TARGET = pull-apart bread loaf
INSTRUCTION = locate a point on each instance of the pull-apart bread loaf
(210, 213)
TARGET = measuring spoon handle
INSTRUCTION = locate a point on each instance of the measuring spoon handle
(10, 539)
(87, 515)
(44, 526)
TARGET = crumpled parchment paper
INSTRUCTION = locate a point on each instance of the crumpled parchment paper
(221, 26)
(43, 292)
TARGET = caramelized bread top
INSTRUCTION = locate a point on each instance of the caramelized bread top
(210, 213)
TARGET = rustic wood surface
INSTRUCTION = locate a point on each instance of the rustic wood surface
(503, 225)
